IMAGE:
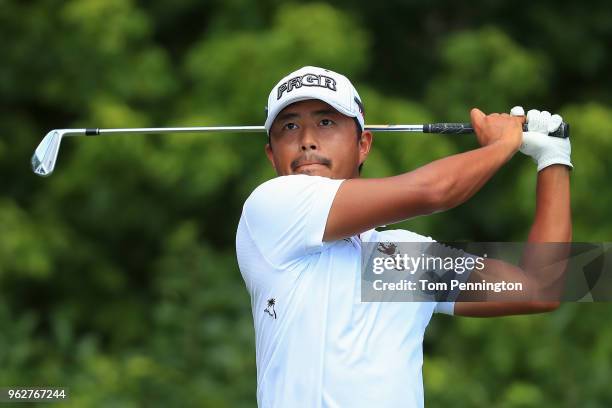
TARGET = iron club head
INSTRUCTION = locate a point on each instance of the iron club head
(45, 155)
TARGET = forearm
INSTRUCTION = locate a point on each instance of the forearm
(437, 186)
(542, 265)
(545, 257)
(455, 179)
(553, 220)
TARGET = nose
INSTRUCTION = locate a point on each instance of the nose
(309, 140)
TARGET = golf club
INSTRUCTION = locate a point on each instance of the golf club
(45, 155)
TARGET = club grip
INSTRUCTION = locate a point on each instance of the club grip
(460, 128)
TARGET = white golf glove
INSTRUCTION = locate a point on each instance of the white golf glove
(545, 150)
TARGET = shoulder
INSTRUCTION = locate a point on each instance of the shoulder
(286, 216)
(284, 191)
(285, 184)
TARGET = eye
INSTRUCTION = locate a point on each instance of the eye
(290, 126)
(326, 122)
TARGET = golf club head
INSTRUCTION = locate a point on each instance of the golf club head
(45, 155)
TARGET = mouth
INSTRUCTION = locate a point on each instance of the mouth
(309, 166)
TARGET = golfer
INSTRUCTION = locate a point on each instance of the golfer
(299, 238)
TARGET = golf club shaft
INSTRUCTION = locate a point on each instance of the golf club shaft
(442, 128)
(226, 129)
(45, 156)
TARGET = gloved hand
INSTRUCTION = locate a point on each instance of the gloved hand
(545, 150)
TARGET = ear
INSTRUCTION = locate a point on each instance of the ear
(270, 155)
(365, 143)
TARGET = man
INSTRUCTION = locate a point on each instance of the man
(299, 238)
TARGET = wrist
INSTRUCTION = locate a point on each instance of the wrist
(556, 166)
(499, 152)
(552, 158)
(507, 144)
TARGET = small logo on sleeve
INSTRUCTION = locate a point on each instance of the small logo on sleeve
(387, 248)
(270, 309)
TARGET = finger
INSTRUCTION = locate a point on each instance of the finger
(531, 114)
(517, 111)
(535, 122)
(477, 116)
(545, 118)
(554, 123)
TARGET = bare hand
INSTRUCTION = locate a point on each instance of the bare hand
(498, 127)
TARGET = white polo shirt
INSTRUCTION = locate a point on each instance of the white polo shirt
(317, 344)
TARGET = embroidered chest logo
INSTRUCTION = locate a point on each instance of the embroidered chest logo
(270, 309)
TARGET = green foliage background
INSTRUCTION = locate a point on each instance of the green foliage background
(118, 277)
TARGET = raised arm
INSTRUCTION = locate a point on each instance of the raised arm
(552, 223)
(362, 204)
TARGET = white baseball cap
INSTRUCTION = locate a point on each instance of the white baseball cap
(315, 83)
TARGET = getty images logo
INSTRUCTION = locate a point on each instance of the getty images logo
(322, 81)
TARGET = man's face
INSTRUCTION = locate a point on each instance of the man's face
(310, 137)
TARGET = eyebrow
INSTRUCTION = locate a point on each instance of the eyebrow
(287, 115)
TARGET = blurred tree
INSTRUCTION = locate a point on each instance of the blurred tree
(117, 274)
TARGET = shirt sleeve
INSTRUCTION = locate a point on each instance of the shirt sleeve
(286, 216)
(443, 251)
(408, 241)
(445, 308)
